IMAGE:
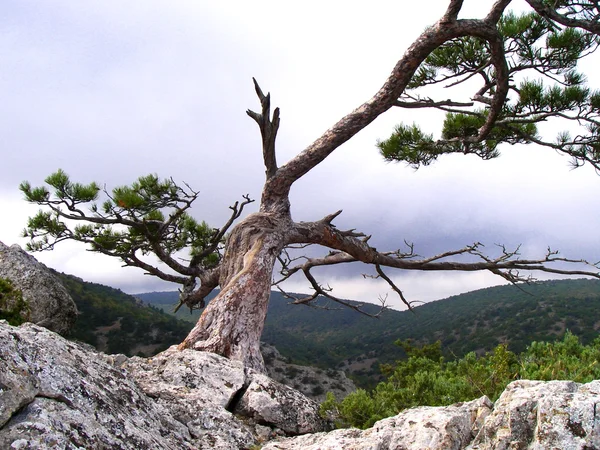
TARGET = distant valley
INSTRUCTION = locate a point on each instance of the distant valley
(477, 321)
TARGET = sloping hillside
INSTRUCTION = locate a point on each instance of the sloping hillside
(476, 321)
(115, 322)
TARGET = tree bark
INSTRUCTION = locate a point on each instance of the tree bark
(232, 323)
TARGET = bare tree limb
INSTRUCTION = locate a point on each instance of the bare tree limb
(236, 211)
(326, 292)
(278, 186)
(195, 298)
(393, 286)
(268, 129)
(351, 248)
(429, 103)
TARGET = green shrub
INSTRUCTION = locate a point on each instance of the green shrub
(13, 308)
(425, 378)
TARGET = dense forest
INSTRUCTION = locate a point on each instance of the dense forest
(115, 322)
(477, 321)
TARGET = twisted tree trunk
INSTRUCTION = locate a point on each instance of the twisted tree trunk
(232, 323)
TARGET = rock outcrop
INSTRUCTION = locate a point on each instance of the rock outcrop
(543, 415)
(444, 428)
(268, 402)
(528, 415)
(49, 303)
(59, 394)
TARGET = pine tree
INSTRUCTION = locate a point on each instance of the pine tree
(526, 69)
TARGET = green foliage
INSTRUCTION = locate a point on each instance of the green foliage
(458, 126)
(537, 51)
(63, 189)
(410, 144)
(525, 28)
(425, 378)
(534, 97)
(148, 216)
(13, 308)
(563, 360)
(458, 54)
(115, 322)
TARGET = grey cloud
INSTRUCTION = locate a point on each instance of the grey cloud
(111, 92)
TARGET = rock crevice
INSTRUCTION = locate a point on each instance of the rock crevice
(232, 405)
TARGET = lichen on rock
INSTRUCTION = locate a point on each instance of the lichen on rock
(49, 303)
(54, 392)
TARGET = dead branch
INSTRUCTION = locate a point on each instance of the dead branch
(268, 129)
(236, 211)
(325, 292)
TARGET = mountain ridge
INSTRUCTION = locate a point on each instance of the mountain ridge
(478, 321)
(475, 321)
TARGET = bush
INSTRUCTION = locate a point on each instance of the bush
(317, 390)
(425, 378)
(13, 308)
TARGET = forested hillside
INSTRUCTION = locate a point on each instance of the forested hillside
(476, 321)
(115, 322)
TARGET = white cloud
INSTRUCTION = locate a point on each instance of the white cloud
(110, 90)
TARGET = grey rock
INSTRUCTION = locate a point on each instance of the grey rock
(532, 415)
(50, 304)
(56, 394)
(189, 377)
(197, 388)
(431, 428)
(264, 433)
(60, 394)
(540, 415)
(268, 402)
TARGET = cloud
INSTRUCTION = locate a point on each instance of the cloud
(110, 91)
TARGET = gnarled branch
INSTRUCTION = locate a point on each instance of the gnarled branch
(349, 248)
(268, 129)
(550, 13)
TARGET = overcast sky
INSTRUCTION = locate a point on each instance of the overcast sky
(111, 90)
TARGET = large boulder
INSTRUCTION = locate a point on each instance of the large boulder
(50, 305)
(199, 390)
(215, 395)
(268, 402)
(432, 428)
(57, 394)
(543, 415)
(60, 394)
